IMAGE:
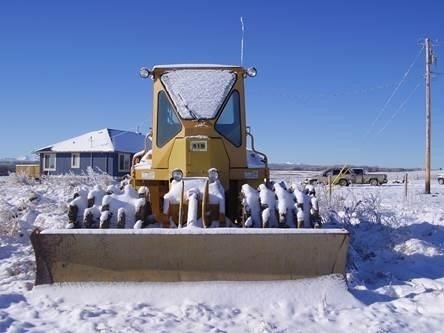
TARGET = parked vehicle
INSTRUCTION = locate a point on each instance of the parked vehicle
(345, 176)
(441, 179)
(361, 176)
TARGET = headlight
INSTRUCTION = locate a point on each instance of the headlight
(177, 174)
(143, 192)
(251, 72)
(213, 175)
(144, 73)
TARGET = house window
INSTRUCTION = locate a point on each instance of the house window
(49, 162)
(75, 160)
(124, 162)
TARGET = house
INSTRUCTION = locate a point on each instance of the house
(106, 150)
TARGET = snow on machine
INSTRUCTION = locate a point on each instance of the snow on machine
(199, 204)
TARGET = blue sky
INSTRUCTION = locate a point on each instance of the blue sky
(326, 70)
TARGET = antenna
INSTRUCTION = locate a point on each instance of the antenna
(242, 40)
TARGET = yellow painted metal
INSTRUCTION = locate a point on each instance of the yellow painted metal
(151, 174)
(183, 151)
(181, 255)
(161, 155)
(195, 162)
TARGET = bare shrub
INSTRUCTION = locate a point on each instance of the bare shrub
(72, 183)
(99, 177)
(8, 222)
(346, 204)
(20, 178)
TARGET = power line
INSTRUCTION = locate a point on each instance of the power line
(394, 92)
(401, 106)
(308, 98)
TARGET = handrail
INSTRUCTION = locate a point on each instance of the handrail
(264, 157)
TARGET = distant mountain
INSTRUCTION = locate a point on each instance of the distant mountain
(7, 159)
(28, 158)
(311, 167)
(296, 167)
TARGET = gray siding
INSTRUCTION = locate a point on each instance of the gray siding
(63, 163)
(99, 161)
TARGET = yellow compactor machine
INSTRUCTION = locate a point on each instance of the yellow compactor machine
(203, 216)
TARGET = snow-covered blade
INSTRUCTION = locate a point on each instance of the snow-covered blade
(187, 254)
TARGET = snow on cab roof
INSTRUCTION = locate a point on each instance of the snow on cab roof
(104, 140)
(198, 93)
(194, 66)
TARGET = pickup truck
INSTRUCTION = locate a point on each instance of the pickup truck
(347, 176)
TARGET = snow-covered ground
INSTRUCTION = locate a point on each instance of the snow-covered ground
(394, 282)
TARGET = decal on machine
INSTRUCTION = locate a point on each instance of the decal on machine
(147, 175)
(200, 145)
(251, 174)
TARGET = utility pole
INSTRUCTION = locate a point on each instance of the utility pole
(429, 60)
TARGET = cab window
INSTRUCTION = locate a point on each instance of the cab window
(168, 123)
(358, 172)
(229, 122)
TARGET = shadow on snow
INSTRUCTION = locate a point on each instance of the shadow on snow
(389, 251)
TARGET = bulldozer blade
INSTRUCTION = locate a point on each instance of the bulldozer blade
(187, 254)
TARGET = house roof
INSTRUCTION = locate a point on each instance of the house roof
(104, 140)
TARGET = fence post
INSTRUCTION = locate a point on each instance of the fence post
(329, 189)
(405, 185)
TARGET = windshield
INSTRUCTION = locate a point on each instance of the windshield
(198, 93)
